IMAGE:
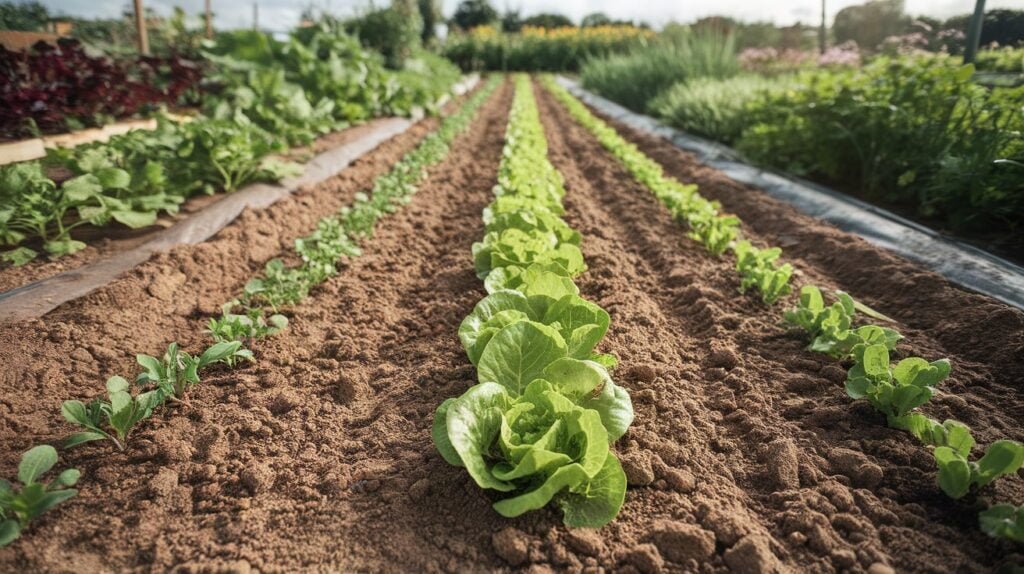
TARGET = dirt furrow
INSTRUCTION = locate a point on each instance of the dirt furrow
(776, 444)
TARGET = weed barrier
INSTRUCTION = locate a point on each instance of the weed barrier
(959, 262)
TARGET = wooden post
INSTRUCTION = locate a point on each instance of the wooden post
(822, 33)
(140, 28)
(974, 32)
(209, 21)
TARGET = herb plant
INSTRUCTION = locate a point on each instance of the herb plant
(18, 506)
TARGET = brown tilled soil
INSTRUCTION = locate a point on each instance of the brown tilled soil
(745, 455)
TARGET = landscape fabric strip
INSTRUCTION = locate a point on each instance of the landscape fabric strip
(894, 389)
(169, 377)
(539, 424)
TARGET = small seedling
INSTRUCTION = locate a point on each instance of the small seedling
(1003, 521)
(121, 411)
(177, 371)
(19, 506)
(893, 390)
(957, 474)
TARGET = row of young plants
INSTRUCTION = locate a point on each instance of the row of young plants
(130, 179)
(269, 96)
(168, 378)
(539, 424)
(896, 390)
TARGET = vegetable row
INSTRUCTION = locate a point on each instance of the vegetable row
(894, 389)
(270, 95)
(168, 378)
(539, 424)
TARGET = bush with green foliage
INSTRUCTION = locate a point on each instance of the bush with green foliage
(712, 107)
(914, 132)
(540, 49)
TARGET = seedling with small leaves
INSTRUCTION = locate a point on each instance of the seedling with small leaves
(112, 419)
(831, 327)
(1003, 521)
(757, 269)
(893, 390)
(172, 375)
(244, 328)
(19, 506)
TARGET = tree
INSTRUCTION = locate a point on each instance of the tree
(511, 21)
(473, 13)
(24, 16)
(871, 23)
(1004, 27)
(430, 13)
(547, 20)
(595, 19)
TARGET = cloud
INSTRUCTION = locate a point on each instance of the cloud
(281, 15)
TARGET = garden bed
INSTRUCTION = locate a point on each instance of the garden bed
(744, 454)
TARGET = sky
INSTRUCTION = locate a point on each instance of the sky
(281, 15)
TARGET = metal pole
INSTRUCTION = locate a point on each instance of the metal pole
(256, 16)
(209, 21)
(822, 39)
(974, 32)
(140, 28)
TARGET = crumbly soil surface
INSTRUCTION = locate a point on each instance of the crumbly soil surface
(745, 454)
(108, 241)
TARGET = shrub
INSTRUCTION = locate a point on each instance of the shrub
(634, 78)
(715, 108)
(915, 132)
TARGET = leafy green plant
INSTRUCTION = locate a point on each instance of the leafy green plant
(1003, 521)
(18, 507)
(830, 327)
(757, 269)
(244, 327)
(119, 413)
(915, 132)
(173, 374)
(957, 474)
(893, 390)
(542, 440)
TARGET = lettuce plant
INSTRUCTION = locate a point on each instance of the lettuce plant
(539, 435)
(757, 269)
(119, 413)
(19, 506)
(579, 323)
(957, 474)
(894, 390)
(830, 327)
(244, 327)
(1003, 521)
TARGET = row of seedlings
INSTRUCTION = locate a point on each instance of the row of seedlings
(539, 424)
(896, 390)
(167, 379)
